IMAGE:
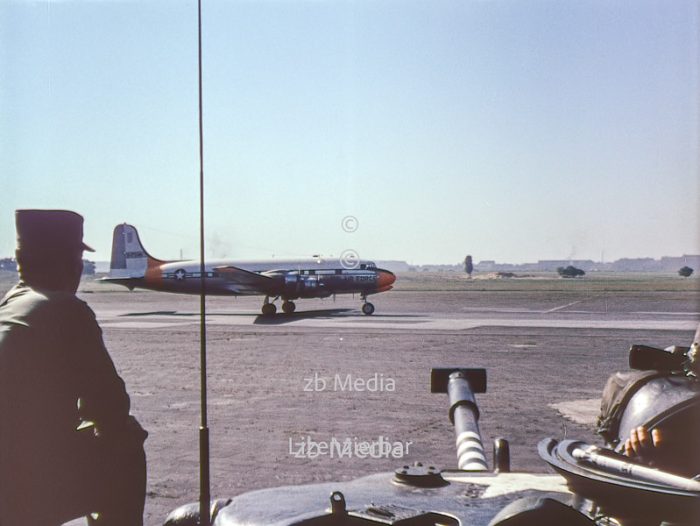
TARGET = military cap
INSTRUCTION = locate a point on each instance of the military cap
(49, 231)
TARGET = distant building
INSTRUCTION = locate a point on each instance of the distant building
(488, 265)
(393, 265)
(551, 265)
(8, 264)
(672, 264)
(636, 265)
(88, 268)
(665, 264)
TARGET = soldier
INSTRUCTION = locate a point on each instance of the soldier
(68, 446)
(672, 444)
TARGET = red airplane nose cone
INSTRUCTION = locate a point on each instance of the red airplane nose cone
(385, 279)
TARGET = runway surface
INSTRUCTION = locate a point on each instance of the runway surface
(350, 319)
(397, 313)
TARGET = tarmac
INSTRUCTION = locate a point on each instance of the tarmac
(400, 313)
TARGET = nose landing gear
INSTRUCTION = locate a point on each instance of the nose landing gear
(367, 307)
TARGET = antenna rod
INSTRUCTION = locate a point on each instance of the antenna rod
(204, 489)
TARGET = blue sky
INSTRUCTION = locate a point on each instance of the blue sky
(510, 130)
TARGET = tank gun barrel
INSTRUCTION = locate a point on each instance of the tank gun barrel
(460, 386)
(593, 455)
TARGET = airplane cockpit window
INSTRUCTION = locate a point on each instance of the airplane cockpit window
(371, 265)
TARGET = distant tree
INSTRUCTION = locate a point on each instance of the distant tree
(686, 272)
(468, 266)
(570, 272)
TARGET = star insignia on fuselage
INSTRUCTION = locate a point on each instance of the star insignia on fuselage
(180, 274)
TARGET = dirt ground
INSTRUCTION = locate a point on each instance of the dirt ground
(266, 390)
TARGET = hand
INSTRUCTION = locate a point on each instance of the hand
(644, 445)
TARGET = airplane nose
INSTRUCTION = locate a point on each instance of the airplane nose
(385, 278)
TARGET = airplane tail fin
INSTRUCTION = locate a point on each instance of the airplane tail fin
(129, 258)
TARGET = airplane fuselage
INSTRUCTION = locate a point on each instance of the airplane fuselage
(288, 279)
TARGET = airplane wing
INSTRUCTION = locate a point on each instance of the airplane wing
(128, 282)
(245, 281)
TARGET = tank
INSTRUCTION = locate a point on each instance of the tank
(588, 484)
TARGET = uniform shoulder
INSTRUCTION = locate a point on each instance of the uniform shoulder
(31, 301)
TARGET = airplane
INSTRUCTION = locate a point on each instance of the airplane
(132, 266)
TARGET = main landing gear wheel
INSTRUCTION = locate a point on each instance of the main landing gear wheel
(288, 307)
(268, 309)
(368, 309)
